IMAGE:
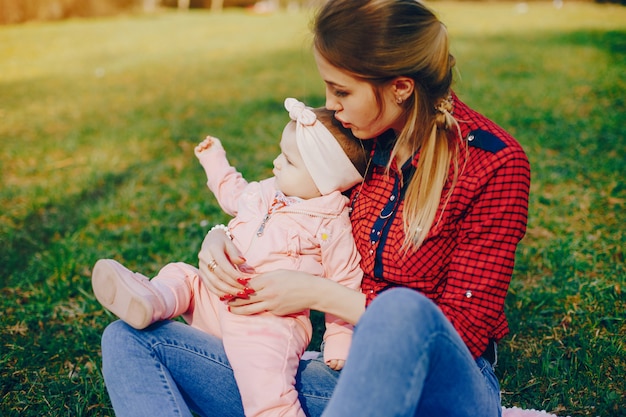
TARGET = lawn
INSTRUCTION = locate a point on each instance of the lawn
(98, 120)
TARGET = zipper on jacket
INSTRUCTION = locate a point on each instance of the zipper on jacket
(261, 228)
(266, 218)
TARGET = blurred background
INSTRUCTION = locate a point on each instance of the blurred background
(103, 101)
(16, 11)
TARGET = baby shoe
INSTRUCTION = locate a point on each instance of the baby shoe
(129, 295)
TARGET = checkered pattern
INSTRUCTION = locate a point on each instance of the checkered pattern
(466, 262)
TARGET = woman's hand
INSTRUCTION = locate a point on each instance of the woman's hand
(280, 292)
(222, 267)
(284, 292)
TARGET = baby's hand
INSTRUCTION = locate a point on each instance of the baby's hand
(335, 364)
(205, 144)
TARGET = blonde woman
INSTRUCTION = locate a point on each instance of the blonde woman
(436, 221)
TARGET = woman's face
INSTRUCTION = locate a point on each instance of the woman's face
(354, 102)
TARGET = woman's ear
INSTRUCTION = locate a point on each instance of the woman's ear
(402, 88)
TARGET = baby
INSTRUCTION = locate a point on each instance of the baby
(296, 220)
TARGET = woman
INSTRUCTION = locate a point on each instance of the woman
(436, 221)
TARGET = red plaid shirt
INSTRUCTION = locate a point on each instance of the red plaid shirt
(465, 263)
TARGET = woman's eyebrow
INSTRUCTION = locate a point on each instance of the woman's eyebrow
(334, 85)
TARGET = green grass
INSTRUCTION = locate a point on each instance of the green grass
(98, 119)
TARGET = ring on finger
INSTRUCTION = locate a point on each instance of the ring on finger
(212, 265)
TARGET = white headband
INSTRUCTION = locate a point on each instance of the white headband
(327, 163)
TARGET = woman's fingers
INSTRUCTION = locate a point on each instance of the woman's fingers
(219, 275)
(218, 260)
(247, 306)
(280, 292)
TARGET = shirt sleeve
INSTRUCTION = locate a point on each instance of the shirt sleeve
(341, 261)
(223, 180)
(482, 264)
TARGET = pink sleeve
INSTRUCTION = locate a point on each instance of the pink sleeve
(341, 259)
(223, 180)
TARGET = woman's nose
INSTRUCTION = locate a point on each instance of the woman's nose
(331, 103)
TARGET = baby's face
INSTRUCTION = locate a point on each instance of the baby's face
(292, 177)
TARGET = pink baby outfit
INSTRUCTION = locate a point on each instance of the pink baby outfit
(312, 235)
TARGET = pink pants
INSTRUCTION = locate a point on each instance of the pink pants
(264, 350)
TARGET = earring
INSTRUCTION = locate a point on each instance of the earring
(399, 100)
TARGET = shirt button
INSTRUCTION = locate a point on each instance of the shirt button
(392, 198)
(371, 251)
(470, 138)
(468, 294)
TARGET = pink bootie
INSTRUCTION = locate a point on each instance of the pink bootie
(128, 295)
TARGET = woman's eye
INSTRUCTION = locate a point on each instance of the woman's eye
(339, 93)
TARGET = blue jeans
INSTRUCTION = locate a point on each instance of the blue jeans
(405, 360)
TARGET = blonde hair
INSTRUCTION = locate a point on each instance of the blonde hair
(377, 41)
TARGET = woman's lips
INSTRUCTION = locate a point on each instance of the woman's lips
(344, 124)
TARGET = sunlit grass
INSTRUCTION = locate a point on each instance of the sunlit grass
(98, 120)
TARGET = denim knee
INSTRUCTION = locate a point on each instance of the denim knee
(113, 330)
(404, 302)
(115, 336)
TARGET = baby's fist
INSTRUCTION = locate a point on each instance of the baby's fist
(335, 364)
(205, 144)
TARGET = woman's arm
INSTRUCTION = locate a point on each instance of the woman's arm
(284, 292)
(482, 264)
